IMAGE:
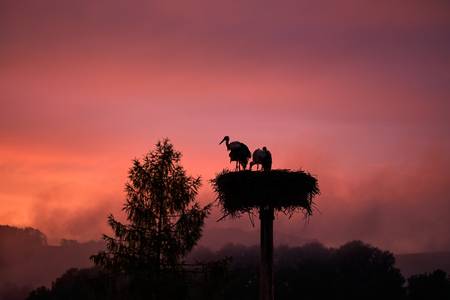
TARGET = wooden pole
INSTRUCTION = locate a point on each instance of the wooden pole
(266, 215)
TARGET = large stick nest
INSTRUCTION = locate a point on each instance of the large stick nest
(285, 190)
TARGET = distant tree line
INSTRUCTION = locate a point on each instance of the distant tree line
(25, 253)
(353, 271)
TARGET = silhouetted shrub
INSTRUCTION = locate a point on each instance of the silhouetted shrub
(367, 272)
(41, 293)
(435, 285)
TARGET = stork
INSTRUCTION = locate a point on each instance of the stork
(262, 157)
(239, 152)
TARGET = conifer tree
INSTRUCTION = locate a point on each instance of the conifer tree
(164, 219)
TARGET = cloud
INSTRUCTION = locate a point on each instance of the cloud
(81, 221)
(401, 207)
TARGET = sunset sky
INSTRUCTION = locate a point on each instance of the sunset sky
(357, 92)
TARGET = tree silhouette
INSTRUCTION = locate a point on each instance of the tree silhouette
(435, 285)
(365, 268)
(164, 219)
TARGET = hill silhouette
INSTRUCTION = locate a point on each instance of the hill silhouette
(27, 260)
(416, 263)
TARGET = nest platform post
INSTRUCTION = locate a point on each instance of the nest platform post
(266, 216)
(276, 190)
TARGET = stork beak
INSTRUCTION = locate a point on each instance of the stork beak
(222, 141)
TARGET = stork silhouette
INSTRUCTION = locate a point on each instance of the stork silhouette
(239, 152)
(262, 157)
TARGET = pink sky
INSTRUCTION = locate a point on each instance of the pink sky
(357, 92)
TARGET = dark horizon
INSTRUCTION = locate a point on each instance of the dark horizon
(58, 258)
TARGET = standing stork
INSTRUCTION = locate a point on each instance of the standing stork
(239, 152)
(257, 158)
(262, 157)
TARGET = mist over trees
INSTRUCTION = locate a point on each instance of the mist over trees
(27, 260)
(297, 269)
(354, 270)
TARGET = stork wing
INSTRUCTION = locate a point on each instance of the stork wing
(234, 146)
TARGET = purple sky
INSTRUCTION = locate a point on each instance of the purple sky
(357, 92)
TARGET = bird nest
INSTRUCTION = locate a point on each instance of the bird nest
(284, 190)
